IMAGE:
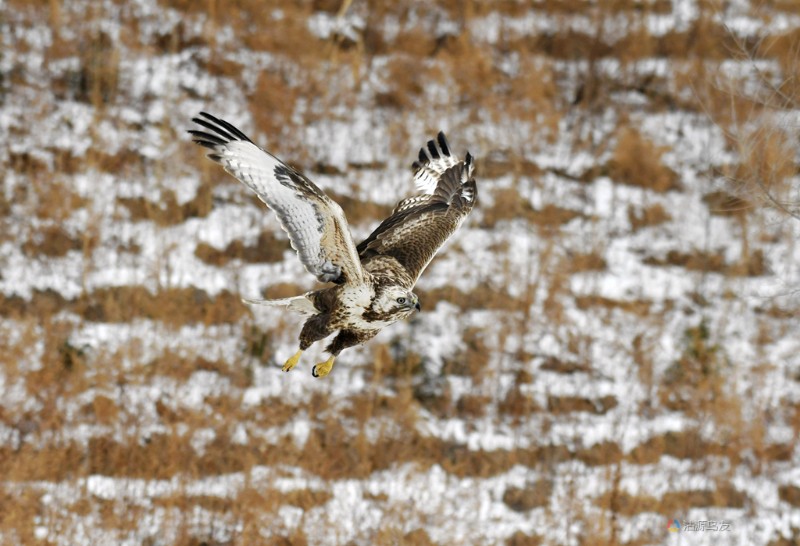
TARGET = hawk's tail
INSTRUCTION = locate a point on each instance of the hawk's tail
(298, 304)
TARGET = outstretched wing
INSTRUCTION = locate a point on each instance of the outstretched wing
(420, 225)
(316, 226)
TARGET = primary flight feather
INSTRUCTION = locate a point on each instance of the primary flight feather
(374, 279)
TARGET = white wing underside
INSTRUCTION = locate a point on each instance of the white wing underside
(316, 225)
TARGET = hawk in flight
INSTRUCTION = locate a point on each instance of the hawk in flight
(372, 281)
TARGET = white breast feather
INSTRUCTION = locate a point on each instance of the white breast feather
(357, 299)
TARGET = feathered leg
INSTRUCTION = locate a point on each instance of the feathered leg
(314, 329)
(343, 340)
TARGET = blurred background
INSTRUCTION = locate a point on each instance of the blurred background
(607, 345)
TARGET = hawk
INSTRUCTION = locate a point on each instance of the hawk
(372, 281)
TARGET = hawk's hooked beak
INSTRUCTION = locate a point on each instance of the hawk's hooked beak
(415, 301)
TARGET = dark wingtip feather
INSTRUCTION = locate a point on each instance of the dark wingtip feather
(205, 143)
(203, 137)
(233, 130)
(220, 132)
(221, 127)
(416, 165)
(209, 117)
(433, 150)
(443, 143)
(423, 158)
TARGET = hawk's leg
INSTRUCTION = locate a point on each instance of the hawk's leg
(313, 330)
(323, 368)
(343, 340)
(292, 362)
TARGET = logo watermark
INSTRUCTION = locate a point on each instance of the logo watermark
(688, 526)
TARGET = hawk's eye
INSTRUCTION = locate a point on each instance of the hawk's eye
(401, 301)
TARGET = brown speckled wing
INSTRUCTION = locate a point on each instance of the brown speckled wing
(420, 225)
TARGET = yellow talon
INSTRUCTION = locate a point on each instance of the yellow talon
(292, 362)
(323, 368)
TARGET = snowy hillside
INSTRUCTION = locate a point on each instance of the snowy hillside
(608, 344)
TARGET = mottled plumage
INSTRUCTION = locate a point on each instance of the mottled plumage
(373, 281)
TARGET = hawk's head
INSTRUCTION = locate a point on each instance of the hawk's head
(394, 302)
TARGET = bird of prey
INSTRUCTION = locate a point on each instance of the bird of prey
(372, 281)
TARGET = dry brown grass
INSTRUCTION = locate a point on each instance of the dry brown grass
(674, 502)
(591, 261)
(509, 204)
(52, 241)
(267, 248)
(533, 495)
(174, 307)
(473, 359)
(653, 215)
(697, 384)
(638, 162)
(409, 80)
(569, 404)
(497, 165)
(359, 211)
(767, 166)
(723, 203)
(681, 445)
(485, 297)
(274, 106)
(339, 445)
(167, 211)
(636, 307)
(752, 265)
(518, 405)
(521, 539)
